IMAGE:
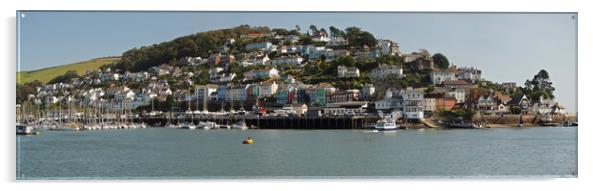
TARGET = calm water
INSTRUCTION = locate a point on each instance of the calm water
(179, 153)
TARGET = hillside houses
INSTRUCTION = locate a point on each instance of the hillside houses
(274, 71)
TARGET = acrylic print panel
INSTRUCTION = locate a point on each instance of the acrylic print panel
(183, 95)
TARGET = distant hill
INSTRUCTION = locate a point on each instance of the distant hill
(46, 74)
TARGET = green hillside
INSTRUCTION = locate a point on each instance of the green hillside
(46, 74)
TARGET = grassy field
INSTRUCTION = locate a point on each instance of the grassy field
(46, 74)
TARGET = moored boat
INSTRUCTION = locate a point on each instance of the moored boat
(240, 125)
(383, 126)
(461, 124)
(26, 130)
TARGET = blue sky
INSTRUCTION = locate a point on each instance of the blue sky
(507, 47)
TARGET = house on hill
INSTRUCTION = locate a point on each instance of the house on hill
(386, 71)
(347, 72)
(438, 76)
(419, 60)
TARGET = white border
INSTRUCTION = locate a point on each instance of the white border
(589, 62)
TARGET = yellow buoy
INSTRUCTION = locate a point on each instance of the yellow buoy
(248, 141)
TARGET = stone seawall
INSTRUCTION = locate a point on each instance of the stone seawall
(515, 119)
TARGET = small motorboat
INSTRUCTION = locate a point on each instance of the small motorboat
(459, 123)
(385, 126)
(240, 125)
(27, 130)
(248, 141)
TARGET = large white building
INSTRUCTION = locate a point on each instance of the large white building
(296, 60)
(413, 104)
(259, 45)
(438, 76)
(386, 71)
(469, 74)
(267, 89)
(203, 92)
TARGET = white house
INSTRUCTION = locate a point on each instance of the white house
(260, 60)
(413, 104)
(386, 71)
(469, 74)
(389, 104)
(322, 37)
(223, 78)
(296, 60)
(345, 108)
(337, 41)
(457, 93)
(267, 89)
(438, 76)
(259, 45)
(271, 73)
(547, 106)
(347, 72)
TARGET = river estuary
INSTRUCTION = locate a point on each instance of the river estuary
(157, 153)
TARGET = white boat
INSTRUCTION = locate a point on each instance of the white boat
(208, 125)
(26, 130)
(67, 127)
(188, 126)
(240, 125)
(383, 125)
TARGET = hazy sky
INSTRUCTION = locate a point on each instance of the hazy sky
(506, 47)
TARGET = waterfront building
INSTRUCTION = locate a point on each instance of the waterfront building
(413, 104)
(547, 106)
(317, 95)
(430, 105)
(486, 103)
(389, 104)
(299, 109)
(345, 108)
(458, 93)
(521, 102)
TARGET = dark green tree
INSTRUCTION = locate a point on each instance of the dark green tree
(440, 61)
(540, 86)
(64, 78)
(314, 30)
